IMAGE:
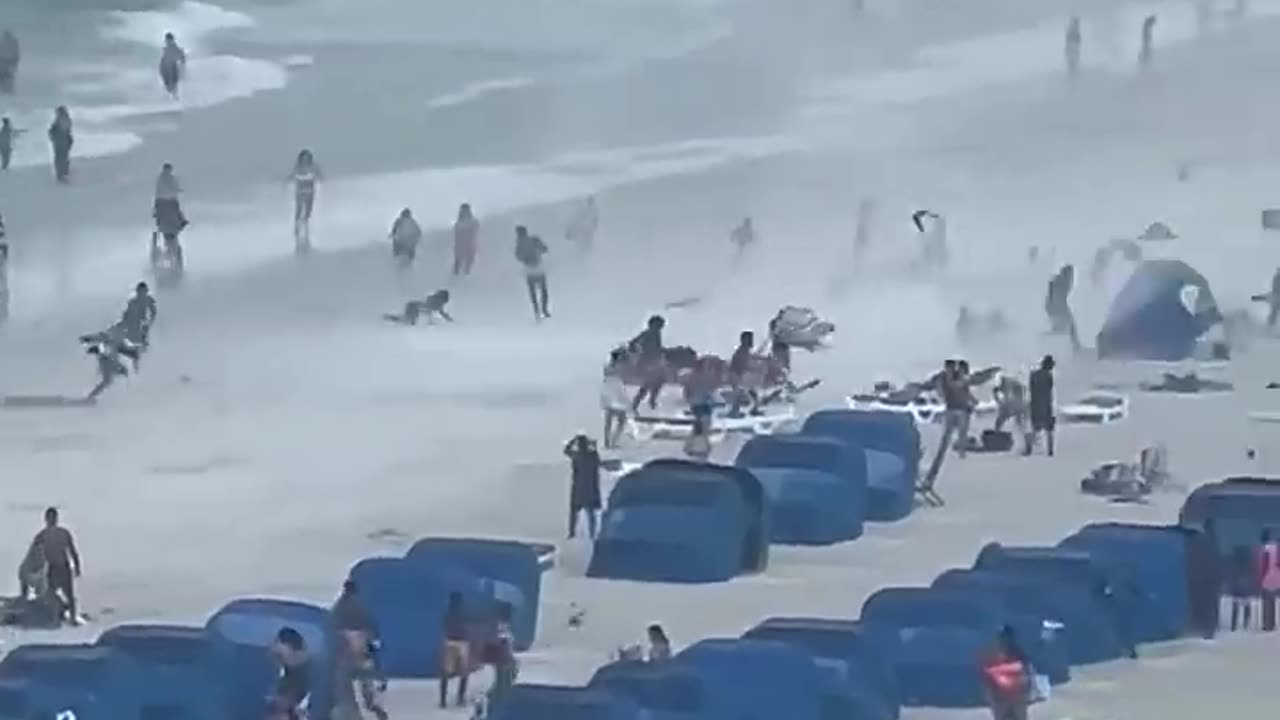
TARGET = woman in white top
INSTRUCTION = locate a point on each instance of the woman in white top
(614, 400)
(306, 174)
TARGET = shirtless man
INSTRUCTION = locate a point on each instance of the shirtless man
(63, 561)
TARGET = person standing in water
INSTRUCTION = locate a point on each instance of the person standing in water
(1147, 49)
(173, 65)
(59, 549)
(10, 57)
(530, 251)
(306, 173)
(61, 137)
(1072, 48)
(465, 231)
(8, 133)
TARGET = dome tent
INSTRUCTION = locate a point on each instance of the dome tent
(816, 487)
(1160, 314)
(180, 666)
(508, 570)
(891, 444)
(243, 630)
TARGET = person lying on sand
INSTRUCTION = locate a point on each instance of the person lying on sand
(433, 305)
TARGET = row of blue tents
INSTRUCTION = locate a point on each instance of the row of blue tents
(223, 670)
(678, 521)
(1094, 597)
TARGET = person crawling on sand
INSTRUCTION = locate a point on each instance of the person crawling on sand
(430, 307)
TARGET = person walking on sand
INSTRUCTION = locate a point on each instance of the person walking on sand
(953, 387)
(173, 65)
(405, 235)
(455, 656)
(614, 400)
(62, 561)
(466, 230)
(61, 138)
(305, 176)
(8, 134)
(1043, 418)
(584, 488)
(530, 252)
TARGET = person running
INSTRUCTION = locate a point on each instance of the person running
(1147, 49)
(530, 252)
(10, 58)
(1043, 418)
(455, 656)
(405, 236)
(8, 134)
(584, 489)
(62, 561)
(289, 698)
(614, 400)
(466, 230)
(173, 65)
(581, 230)
(430, 307)
(138, 316)
(356, 658)
(305, 176)
(650, 358)
(61, 138)
(1072, 48)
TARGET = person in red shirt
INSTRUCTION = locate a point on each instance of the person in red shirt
(1006, 680)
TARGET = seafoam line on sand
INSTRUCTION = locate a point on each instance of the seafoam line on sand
(1110, 45)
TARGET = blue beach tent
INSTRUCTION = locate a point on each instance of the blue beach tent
(178, 666)
(890, 443)
(242, 633)
(94, 683)
(551, 702)
(816, 487)
(510, 571)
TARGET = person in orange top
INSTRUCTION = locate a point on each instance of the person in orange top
(1006, 679)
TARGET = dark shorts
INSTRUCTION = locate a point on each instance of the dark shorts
(1043, 422)
(61, 578)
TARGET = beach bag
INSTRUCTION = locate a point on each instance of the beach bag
(997, 441)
